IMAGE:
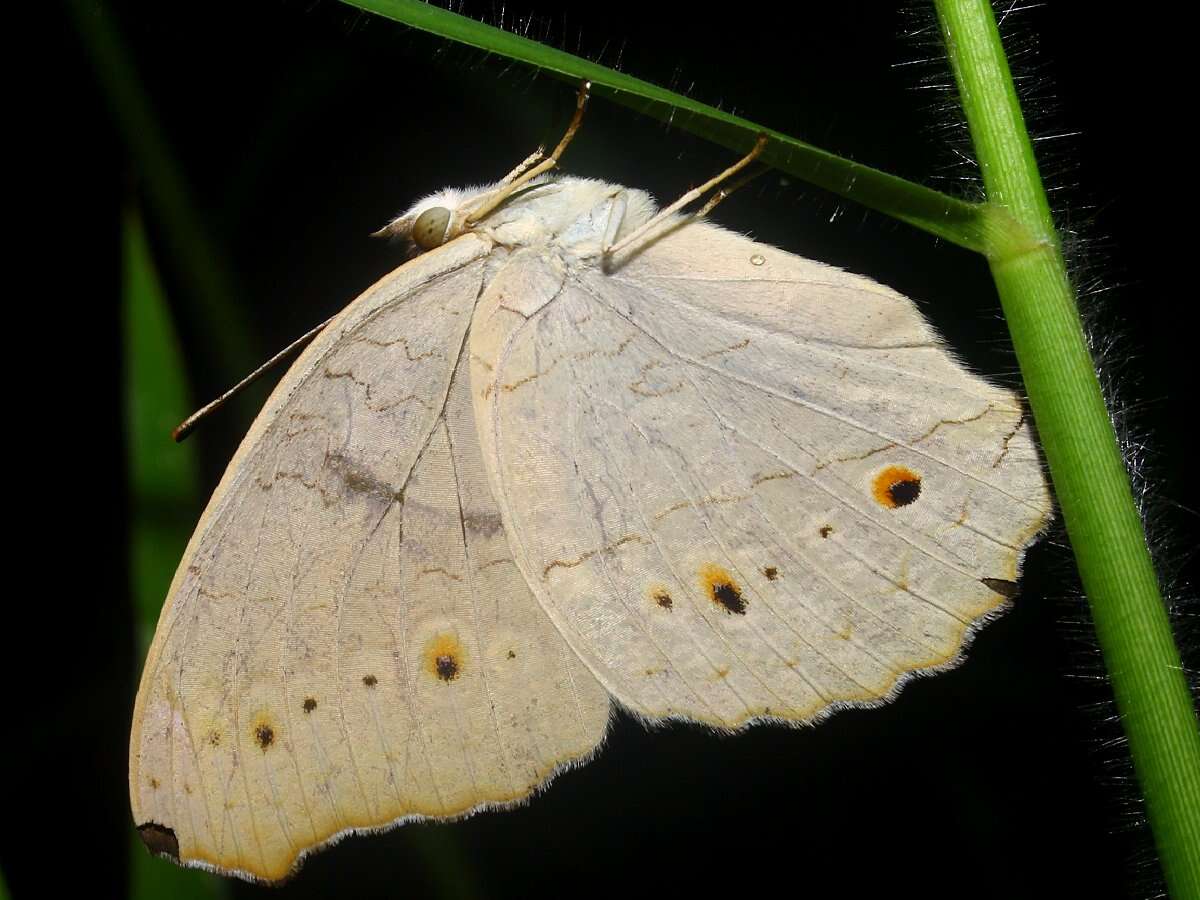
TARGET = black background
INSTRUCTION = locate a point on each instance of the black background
(302, 126)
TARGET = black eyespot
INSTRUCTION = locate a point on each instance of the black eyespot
(896, 486)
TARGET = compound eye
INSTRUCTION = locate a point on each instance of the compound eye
(429, 230)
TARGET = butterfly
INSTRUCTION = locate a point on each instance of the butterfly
(577, 453)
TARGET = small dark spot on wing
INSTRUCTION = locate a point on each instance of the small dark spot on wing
(771, 572)
(826, 530)
(905, 492)
(359, 479)
(310, 704)
(264, 734)
(370, 681)
(661, 597)
(730, 598)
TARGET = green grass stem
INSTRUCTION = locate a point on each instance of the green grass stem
(1081, 449)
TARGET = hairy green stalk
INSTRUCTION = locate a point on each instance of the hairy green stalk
(1081, 449)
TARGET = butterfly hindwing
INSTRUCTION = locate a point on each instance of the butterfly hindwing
(764, 488)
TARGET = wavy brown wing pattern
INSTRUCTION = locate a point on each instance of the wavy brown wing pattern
(347, 642)
(764, 487)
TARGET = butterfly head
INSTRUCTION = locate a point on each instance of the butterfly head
(435, 219)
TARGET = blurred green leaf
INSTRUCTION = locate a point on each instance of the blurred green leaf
(164, 495)
(163, 477)
(188, 246)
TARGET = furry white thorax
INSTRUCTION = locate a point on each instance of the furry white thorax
(573, 213)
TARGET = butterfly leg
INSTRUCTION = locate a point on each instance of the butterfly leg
(522, 174)
(616, 215)
(725, 192)
(693, 195)
(532, 159)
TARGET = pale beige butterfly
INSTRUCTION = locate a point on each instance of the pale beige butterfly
(554, 462)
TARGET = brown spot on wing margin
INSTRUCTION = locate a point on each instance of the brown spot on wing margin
(1003, 587)
(159, 840)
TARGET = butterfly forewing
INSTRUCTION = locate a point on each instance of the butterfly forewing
(347, 641)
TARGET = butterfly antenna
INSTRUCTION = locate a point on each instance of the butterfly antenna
(184, 428)
(693, 195)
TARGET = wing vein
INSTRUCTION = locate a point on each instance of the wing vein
(806, 404)
(470, 570)
(682, 582)
(696, 506)
(608, 576)
(823, 344)
(724, 427)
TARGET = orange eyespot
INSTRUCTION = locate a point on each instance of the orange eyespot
(444, 657)
(722, 589)
(263, 730)
(896, 486)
